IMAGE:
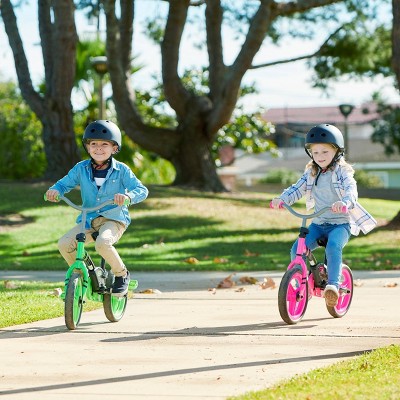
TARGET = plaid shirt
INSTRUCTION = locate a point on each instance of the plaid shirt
(345, 187)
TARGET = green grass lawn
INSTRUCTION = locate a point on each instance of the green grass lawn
(222, 232)
(372, 376)
(173, 225)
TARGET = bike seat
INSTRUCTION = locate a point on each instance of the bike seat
(322, 242)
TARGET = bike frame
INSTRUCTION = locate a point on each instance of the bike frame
(81, 255)
(303, 251)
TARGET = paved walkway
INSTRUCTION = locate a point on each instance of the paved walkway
(191, 343)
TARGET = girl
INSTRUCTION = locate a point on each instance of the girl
(328, 182)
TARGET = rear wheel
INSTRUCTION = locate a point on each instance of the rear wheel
(293, 296)
(345, 293)
(73, 301)
(114, 307)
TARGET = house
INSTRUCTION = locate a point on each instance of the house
(292, 125)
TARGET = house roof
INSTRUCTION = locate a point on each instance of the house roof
(362, 114)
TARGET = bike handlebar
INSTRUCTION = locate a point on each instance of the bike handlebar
(307, 216)
(80, 208)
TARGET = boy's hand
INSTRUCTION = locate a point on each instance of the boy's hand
(52, 195)
(119, 199)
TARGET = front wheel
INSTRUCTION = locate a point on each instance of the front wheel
(73, 301)
(345, 293)
(293, 296)
(114, 307)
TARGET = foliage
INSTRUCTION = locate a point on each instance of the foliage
(387, 127)
(355, 51)
(283, 176)
(367, 180)
(22, 151)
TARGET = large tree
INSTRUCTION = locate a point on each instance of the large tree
(52, 107)
(198, 117)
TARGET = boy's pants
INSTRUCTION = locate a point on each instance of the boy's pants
(109, 233)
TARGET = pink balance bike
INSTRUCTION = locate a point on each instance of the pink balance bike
(299, 283)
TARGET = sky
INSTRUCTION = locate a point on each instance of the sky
(286, 85)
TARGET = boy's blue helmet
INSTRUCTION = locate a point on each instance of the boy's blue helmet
(324, 133)
(102, 130)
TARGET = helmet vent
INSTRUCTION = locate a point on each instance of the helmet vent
(93, 130)
(104, 130)
(323, 134)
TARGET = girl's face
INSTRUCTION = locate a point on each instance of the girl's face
(101, 150)
(322, 154)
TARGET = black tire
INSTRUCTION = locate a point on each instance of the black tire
(292, 299)
(346, 294)
(73, 301)
(114, 307)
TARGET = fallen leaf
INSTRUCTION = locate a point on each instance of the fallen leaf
(26, 253)
(241, 289)
(11, 285)
(248, 279)
(268, 283)
(248, 253)
(191, 260)
(358, 283)
(151, 291)
(212, 290)
(390, 284)
(220, 260)
(56, 292)
(226, 283)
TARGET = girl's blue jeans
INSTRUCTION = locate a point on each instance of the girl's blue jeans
(337, 237)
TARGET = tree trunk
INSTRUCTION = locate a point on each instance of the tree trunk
(194, 164)
(58, 135)
(54, 110)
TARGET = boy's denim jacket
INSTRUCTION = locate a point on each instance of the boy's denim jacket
(119, 179)
(345, 187)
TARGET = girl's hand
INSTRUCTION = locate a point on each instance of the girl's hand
(51, 195)
(120, 198)
(338, 207)
(276, 203)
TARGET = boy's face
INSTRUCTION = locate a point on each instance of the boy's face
(101, 150)
(322, 154)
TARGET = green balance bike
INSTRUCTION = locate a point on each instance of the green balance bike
(85, 281)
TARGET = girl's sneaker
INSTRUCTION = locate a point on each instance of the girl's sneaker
(331, 295)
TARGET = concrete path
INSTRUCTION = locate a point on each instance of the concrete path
(191, 343)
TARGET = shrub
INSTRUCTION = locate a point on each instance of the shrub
(282, 176)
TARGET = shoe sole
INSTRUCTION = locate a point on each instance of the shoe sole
(331, 298)
(122, 294)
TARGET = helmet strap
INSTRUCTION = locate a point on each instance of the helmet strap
(335, 159)
(100, 166)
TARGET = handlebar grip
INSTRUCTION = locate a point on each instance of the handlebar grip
(280, 204)
(45, 197)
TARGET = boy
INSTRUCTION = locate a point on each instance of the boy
(100, 179)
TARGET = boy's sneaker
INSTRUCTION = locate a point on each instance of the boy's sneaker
(121, 285)
(331, 295)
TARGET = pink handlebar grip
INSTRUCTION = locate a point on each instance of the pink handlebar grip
(280, 205)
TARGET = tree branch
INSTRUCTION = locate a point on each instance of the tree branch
(316, 53)
(161, 141)
(33, 99)
(292, 7)
(214, 46)
(175, 93)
